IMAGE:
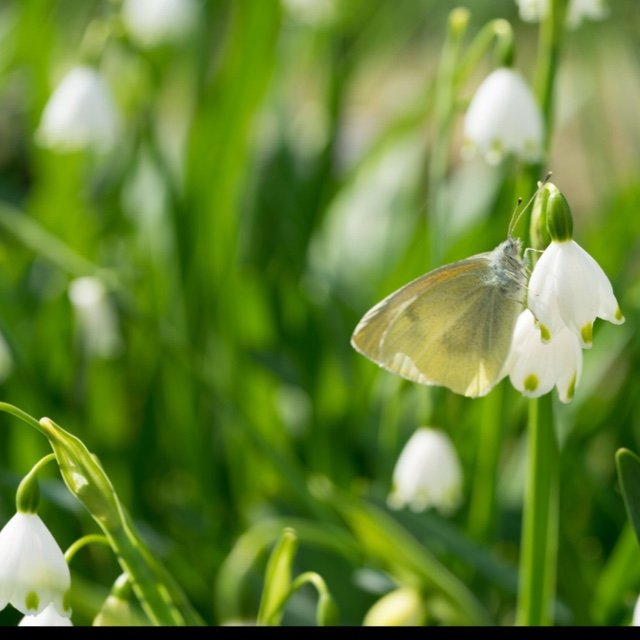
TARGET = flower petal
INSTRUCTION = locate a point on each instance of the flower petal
(33, 571)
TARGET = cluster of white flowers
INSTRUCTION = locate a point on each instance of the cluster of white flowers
(567, 291)
(34, 576)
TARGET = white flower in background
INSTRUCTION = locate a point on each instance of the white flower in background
(47, 618)
(80, 113)
(33, 571)
(154, 22)
(580, 9)
(577, 10)
(96, 318)
(428, 473)
(402, 607)
(532, 10)
(535, 367)
(504, 117)
(6, 360)
(315, 13)
(568, 288)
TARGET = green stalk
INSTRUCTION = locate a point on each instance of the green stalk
(443, 118)
(538, 553)
(482, 509)
(539, 546)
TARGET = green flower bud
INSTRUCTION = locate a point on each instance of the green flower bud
(559, 219)
(84, 476)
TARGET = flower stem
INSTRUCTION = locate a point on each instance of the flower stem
(90, 538)
(482, 509)
(443, 118)
(539, 532)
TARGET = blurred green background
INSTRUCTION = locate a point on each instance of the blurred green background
(269, 186)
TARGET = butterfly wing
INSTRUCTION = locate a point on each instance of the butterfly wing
(450, 327)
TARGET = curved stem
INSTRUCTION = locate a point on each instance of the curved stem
(22, 415)
(83, 542)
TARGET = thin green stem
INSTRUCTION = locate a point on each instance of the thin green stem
(539, 533)
(90, 538)
(443, 118)
(482, 509)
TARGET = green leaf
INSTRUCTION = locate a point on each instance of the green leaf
(277, 582)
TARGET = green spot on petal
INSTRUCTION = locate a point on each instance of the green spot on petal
(66, 601)
(545, 334)
(32, 601)
(531, 382)
(587, 333)
(619, 317)
(571, 389)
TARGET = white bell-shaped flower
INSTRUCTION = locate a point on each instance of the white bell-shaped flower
(577, 10)
(49, 617)
(96, 318)
(80, 114)
(428, 473)
(154, 22)
(568, 288)
(33, 571)
(535, 367)
(504, 117)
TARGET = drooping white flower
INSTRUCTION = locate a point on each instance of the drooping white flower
(428, 473)
(577, 10)
(33, 571)
(80, 114)
(49, 617)
(154, 22)
(96, 318)
(504, 117)
(535, 367)
(569, 288)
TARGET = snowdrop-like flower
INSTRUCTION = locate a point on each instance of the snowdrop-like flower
(503, 117)
(33, 571)
(97, 322)
(80, 113)
(49, 617)
(577, 10)
(535, 367)
(428, 473)
(568, 288)
(153, 22)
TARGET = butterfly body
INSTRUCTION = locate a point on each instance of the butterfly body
(452, 326)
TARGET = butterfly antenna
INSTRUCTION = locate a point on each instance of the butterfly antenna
(516, 215)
